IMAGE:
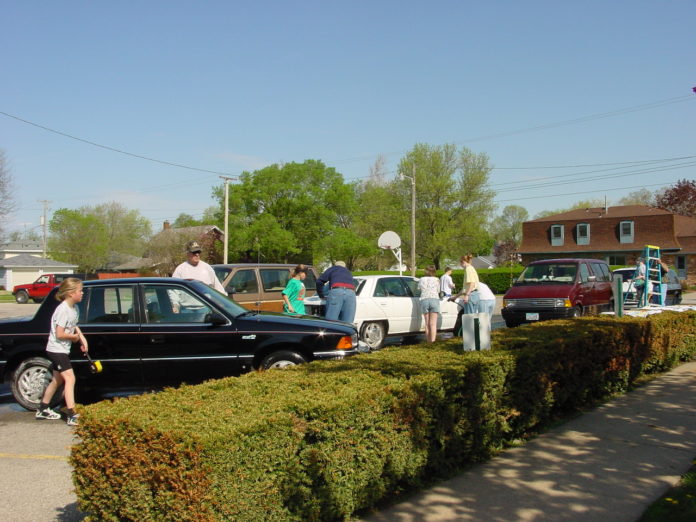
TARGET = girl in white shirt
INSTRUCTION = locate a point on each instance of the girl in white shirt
(429, 287)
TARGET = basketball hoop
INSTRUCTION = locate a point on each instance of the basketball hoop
(391, 241)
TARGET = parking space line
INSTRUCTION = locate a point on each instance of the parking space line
(36, 457)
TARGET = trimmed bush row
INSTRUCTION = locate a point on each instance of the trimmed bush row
(325, 440)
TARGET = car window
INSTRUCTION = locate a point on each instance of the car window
(310, 281)
(42, 279)
(392, 287)
(174, 304)
(412, 285)
(107, 304)
(598, 272)
(274, 279)
(552, 272)
(222, 272)
(243, 282)
(584, 273)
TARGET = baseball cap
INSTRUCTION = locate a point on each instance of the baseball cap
(193, 247)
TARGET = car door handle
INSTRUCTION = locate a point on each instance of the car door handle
(157, 339)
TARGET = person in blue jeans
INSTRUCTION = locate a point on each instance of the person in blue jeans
(340, 298)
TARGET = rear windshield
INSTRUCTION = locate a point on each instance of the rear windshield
(548, 272)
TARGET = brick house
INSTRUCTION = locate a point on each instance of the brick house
(615, 234)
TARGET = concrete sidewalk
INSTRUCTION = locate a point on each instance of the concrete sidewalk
(608, 464)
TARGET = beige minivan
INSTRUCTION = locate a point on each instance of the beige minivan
(259, 286)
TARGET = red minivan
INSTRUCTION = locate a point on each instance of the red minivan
(558, 288)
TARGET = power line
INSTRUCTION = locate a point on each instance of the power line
(582, 192)
(179, 165)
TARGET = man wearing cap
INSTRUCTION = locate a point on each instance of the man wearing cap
(340, 298)
(195, 268)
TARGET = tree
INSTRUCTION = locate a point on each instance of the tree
(7, 195)
(587, 203)
(679, 198)
(453, 202)
(508, 226)
(89, 236)
(283, 212)
(639, 197)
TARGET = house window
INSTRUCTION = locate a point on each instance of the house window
(583, 233)
(556, 235)
(616, 260)
(626, 232)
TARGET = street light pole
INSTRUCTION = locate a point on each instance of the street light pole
(227, 208)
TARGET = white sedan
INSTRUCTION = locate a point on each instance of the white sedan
(388, 305)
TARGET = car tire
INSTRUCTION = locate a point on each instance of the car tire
(29, 382)
(22, 297)
(576, 312)
(373, 334)
(37, 299)
(282, 359)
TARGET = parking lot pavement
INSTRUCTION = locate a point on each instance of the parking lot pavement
(35, 483)
(18, 310)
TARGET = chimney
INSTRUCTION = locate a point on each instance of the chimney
(166, 225)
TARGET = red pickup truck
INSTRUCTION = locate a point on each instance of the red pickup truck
(39, 289)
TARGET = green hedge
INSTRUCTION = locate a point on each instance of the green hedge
(325, 440)
(498, 279)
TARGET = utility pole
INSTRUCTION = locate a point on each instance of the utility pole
(413, 222)
(45, 203)
(413, 218)
(227, 208)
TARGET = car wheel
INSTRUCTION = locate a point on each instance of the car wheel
(576, 312)
(22, 297)
(37, 299)
(29, 382)
(373, 334)
(282, 359)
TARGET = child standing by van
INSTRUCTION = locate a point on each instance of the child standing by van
(64, 332)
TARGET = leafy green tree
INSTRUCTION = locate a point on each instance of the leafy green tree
(78, 238)
(639, 197)
(308, 201)
(89, 235)
(586, 203)
(508, 226)
(453, 202)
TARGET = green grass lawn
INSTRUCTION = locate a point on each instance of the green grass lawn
(678, 504)
(6, 296)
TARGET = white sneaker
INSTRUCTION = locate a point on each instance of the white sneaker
(73, 420)
(48, 413)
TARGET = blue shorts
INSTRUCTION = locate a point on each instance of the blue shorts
(430, 305)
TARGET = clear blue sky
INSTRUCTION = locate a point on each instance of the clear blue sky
(228, 86)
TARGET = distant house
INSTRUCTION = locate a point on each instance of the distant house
(615, 234)
(481, 262)
(21, 263)
(167, 249)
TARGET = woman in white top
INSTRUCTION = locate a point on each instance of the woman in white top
(429, 287)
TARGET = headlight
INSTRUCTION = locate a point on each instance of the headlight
(562, 303)
(508, 302)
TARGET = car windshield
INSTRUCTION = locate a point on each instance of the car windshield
(219, 299)
(548, 273)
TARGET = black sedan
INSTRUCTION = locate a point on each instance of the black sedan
(152, 332)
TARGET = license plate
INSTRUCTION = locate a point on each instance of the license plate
(532, 317)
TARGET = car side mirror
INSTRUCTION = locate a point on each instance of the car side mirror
(215, 318)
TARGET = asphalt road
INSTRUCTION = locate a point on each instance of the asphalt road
(35, 483)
